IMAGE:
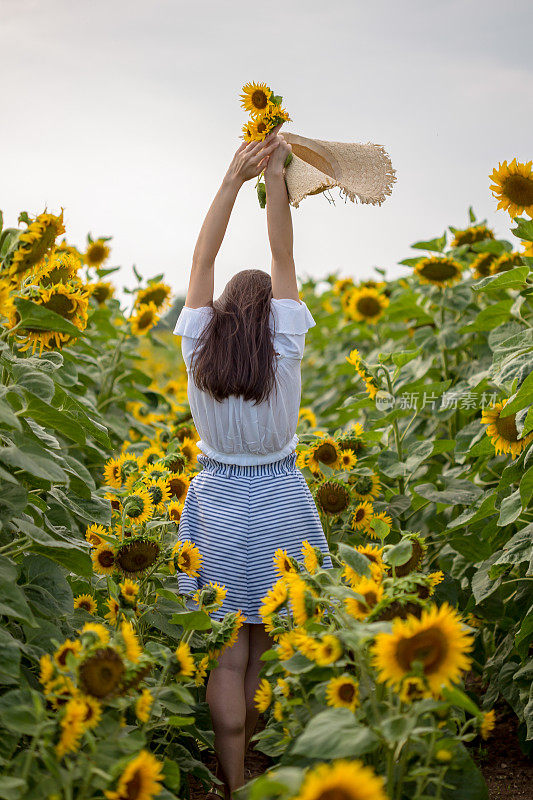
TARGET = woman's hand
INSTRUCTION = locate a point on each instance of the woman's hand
(278, 158)
(251, 158)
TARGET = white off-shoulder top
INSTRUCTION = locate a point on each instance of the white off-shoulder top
(238, 431)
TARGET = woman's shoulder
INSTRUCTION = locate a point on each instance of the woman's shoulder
(192, 321)
(291, 316)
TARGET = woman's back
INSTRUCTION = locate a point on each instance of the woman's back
(239, 431)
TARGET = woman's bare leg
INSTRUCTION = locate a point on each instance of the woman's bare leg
(226, 698)
(259, 641)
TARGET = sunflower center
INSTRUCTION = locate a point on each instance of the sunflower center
(429, 647)
(156, 296)
(347, 692)
(62, 305)
(326, 453)
(101, 673)
(259, 99)
(439, 270)
(519, 189)
(137, 556)
(145, 319)
(101, 293)
(96, 253)
(506, 427)
(185, 560)
(177, 487)
(335, 793)
(63, 657)
(371, 598)
(156, 494)
(106, 558)
(368, 306)
(360, 514)
(175, 514)
(133, 787)
(261, 127)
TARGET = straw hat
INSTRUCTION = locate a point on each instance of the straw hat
(363, 172)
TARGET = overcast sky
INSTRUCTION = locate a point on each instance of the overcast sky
(126, 113)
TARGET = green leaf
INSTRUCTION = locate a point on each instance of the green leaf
(438, 244)
(7, 417)
(357, 561)
(512, 279)
(13, 603)
(93, 510)
(51, 417)
(32, 461)
(490, 317)
(192, 620)
(334, 733)
(510, 508)
(35, 382)
(399, 554)
(522, 398)
(37, 317)
(526, 486)
(10, 662)
(524, 229)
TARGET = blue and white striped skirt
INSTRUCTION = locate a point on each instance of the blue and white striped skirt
(238, 516)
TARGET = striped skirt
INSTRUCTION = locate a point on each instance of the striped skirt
(238, 516)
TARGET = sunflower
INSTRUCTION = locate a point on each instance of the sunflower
(475, 233)
(68, 301)
(131, 644)
(143, 706)
(439, 271)
(341, 285)
(201, 671)
(138, 506)
(438, 641)
(342, 692)
(112, 474)
(211, 596)
(87, 602)
(58, 267)
(307, 415)
(237, 619)
(328, 650)
(527, 252)
(505, 262)
(98, 633)
(46, 668)
(190, 450)
(263, 696)
(66, 649)
(333, 497)
(129, 591)
(488, 723)
(145, 318)
(187, 558)
(360, 519)
(93, 711)
(141, 780)
(174, 509)
(159, 491)
(104, 559)
(114, 608)
(310, 556)
(151, 455)
(324, 451)
(342, 779)
(370, 591)
(101, 673)
(352, 438)
(513, 187)
(185, 660)
(285, 646)
(96, 253)
(413, 689)
(129, 465)
(72, 727)
(502, 431)
(34, 243)
(275, 598)
(284, 563)
(156, 293)
(101, 291)
(365, 487)
(179, 486)
(347, 459)
(256, 98)
(375, 556)
(367, 305)
(482, 264)
(302, 600)
(137, 555)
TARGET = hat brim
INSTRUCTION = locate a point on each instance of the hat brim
(363, 172)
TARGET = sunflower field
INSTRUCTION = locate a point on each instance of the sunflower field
(415, 439)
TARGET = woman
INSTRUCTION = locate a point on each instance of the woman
(243, 354)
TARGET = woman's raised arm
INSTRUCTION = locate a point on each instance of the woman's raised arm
(279, 223)
(247, 163)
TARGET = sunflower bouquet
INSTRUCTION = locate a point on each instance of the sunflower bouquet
(266, 112)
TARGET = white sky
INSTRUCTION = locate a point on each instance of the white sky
(127, 114)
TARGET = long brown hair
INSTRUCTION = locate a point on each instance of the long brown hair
(235, 353)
